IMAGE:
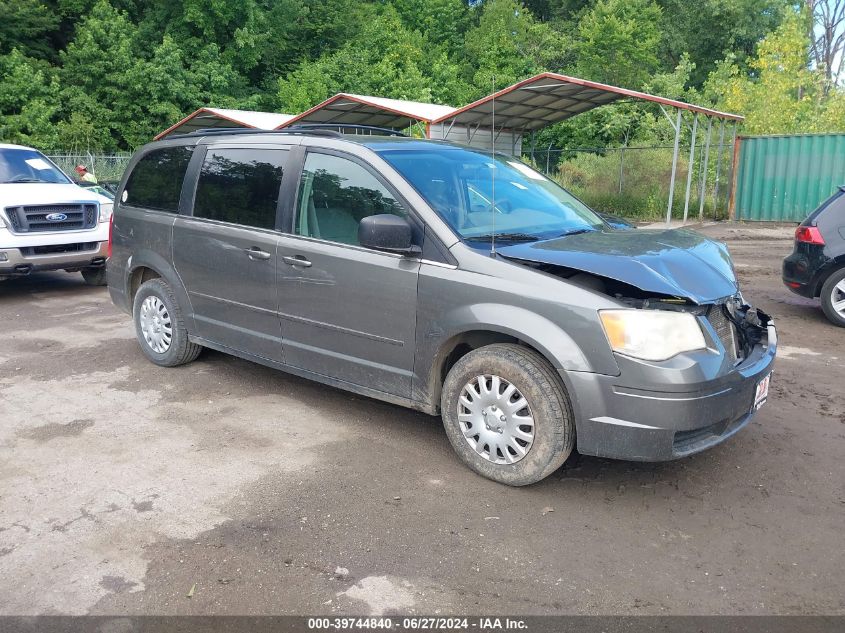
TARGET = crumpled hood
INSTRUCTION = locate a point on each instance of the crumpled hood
(675, 262)
(20, 193)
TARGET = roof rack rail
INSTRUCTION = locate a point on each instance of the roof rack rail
(385, 131)
(225, 131)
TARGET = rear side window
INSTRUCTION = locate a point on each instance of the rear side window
(156, 181)
(241, 186)
(833, 209)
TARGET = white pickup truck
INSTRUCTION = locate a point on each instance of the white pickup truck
(46, 221)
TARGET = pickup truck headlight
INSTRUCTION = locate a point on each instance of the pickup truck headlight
(652, 334)
(106, 209)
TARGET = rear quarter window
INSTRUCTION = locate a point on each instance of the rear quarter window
(156, 180)
(831, 210)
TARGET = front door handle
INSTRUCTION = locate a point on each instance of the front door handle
(256, 253)
(299, 260)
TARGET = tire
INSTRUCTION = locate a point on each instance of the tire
(94, 276)
(155, 298)
(548, 405)
(832, 291)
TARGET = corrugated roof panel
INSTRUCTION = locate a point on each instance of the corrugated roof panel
(225, 118)
(369, 110)
(550, 97)
(252, 118)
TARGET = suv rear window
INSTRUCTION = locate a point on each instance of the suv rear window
(240, 186)
(156, 181)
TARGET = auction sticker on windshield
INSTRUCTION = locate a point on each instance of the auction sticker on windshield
(762, 392)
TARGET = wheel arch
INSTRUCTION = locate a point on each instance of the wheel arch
(151, 265)
(831, 268)
(460, 343)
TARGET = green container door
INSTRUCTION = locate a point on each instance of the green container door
(783, 178)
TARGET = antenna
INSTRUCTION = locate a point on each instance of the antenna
(493, 175)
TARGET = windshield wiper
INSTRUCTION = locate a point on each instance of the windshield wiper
(576, 232)
(512, 237)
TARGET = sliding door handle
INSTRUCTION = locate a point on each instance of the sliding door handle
(256, 253)
(299, 260)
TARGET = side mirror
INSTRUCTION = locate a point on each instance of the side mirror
(387, 232)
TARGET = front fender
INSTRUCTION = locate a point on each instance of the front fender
(537, 331)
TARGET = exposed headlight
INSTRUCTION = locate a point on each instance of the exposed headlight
(106, 209)
(652, 334)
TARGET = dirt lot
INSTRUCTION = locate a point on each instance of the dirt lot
(124, 487)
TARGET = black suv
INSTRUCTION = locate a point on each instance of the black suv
(816, 268)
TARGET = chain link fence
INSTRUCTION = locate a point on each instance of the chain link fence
(634, 182)
(108, 168)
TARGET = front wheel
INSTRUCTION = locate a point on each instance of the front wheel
(159, 326)
(833, 298)
(507, 414)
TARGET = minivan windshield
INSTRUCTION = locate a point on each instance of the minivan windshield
(460, 184)
(27, 166)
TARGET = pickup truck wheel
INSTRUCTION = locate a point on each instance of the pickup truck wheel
(159, 326)
(94, 276)
(507, 415)
(833, 298)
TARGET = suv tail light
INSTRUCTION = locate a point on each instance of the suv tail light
(111, 228)
(809, 235)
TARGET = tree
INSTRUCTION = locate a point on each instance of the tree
(24, 26)
(782, 94)
(715, 29)
(95, 74)
(442, 22)
(828, 38)
(619, 42)
(386, 60)
(29, 94)
(509, 44)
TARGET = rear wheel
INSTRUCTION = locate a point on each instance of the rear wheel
(94, 276)
(833, 298)
(507, 414)
(159, 326)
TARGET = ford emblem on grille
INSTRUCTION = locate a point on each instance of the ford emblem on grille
(55, 217)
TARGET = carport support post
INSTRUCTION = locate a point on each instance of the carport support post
(689, 167)
(702, 190)
(719, 153)
(729, 186)
(674, 166)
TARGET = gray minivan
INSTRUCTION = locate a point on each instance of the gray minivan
(441, 278)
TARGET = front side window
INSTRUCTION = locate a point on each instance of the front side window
(335, 194)
(241, 186)
(156, 180)
(28, 165)
(478, 195)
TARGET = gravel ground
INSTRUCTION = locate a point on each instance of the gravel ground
(224, 487)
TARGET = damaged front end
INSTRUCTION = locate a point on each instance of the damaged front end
(675, 270)
(738, 326)
(693, 359)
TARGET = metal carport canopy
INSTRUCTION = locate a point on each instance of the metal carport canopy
(204, 118)
(368, 110)
(549, 98)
